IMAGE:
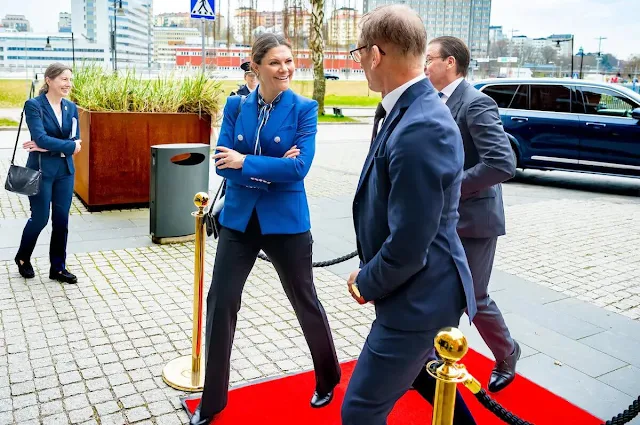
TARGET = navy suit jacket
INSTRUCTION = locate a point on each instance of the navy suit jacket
(269, 183)
(242, 91)
(405, 213)
(47, 133)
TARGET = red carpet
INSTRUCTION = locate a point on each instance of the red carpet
(285, 401)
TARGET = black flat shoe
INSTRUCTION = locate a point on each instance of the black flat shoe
(63, 276)
(321, 400)
(196, 419)
(25, 269)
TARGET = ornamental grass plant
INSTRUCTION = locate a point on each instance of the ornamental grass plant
(98, 90)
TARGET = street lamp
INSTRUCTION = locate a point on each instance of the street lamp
(48, 48)
(581, 53)
(558, 46)
(117, 11)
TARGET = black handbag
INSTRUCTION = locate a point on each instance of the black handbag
(23, 180)
(212, 217)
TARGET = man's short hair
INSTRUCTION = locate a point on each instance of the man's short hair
(452, 46)
(396, 25)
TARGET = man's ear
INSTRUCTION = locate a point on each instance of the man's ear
(376, 57)
(451, 62)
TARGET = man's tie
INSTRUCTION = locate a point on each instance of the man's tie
(380, 114)
(440, 94)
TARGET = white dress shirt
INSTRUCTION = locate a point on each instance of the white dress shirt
(448, 91)
(390, 100)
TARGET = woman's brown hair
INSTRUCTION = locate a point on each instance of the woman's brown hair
(52, 72)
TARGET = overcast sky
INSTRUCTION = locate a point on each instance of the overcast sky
(587, 19)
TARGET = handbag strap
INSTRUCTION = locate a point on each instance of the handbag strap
(224, 181)
(15, 148)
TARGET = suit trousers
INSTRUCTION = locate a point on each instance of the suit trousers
(388, 365)
(56, 194)
(291, 256)
(488, 319)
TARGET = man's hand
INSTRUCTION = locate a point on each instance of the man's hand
(78, 146)
(353, 290)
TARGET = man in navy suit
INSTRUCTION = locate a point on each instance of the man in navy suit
(413, 265)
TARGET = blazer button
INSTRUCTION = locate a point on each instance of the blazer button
(277, 139)
(240, 137)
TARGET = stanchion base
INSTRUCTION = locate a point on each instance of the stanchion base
(177, 374)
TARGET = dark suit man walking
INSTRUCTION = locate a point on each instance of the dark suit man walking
(405, 211)
(488, 162)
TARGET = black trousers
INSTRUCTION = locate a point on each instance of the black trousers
(291, 256)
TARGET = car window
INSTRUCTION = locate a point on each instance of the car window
(502, 94)
(602, 101)
(521, 98)
(550, 98)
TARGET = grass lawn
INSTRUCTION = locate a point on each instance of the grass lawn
(333, 118)
(7, 122)
(338, 93)
(13, 93)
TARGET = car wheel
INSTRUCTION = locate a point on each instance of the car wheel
(516, 153)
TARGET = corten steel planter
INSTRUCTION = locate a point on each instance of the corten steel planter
(112, 169)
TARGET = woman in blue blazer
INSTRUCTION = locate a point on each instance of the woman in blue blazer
(51, 120)
(265, 149)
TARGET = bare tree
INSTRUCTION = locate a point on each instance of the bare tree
(316, 44)
(527, 53)
(632, 65)
(285, 19)
(549, 54)
(499, 49)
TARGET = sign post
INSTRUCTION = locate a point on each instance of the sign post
(203, 10)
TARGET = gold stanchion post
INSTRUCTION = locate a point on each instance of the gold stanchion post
(186, 373)
(451, 345)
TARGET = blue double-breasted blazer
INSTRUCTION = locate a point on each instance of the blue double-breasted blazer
(271, 185)
(47, 133)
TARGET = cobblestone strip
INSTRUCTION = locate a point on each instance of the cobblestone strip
(586, 249)
(94, 352)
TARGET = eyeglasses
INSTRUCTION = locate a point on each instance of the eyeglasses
(429, 60)
(355, 53)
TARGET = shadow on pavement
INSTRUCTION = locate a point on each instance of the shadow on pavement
(612, 185)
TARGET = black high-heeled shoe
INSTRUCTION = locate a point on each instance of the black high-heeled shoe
(321, 400)
(198, 419)
(25, 269)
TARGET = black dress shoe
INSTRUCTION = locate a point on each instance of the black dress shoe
(25, 269)
(504, 372)
(321, 400)
(196, 419)
(63, 276)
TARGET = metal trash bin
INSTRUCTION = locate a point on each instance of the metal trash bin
(178, 172)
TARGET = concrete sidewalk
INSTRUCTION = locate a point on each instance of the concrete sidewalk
(567, 278)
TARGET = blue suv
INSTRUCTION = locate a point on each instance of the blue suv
(574, 125)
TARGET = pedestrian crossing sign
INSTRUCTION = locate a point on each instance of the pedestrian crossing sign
(203, 9)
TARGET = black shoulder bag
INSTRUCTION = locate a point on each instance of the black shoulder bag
(23, 180)
(212, 217)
